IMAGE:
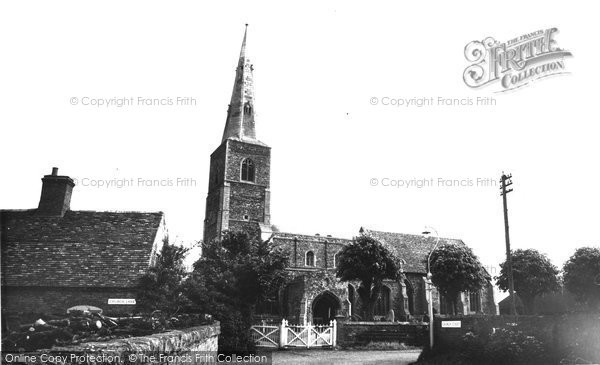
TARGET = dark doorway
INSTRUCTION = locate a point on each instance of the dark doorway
(325, 307)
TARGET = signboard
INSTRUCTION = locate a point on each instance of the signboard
(450, 324)
(121, 301)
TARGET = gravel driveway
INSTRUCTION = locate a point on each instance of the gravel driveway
(339, 357)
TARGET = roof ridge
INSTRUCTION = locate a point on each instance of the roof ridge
(311, 235)
(116, 211)
(17, 210)
(410, 234)
(89, 211)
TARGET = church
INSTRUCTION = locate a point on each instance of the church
(239, 198)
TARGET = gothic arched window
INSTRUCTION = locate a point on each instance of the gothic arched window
(248, 170)
(474, 301)
(310, 259)
(336, 259)
(382, 306)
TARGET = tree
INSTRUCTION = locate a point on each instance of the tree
(367, 260)
(162, 286)
(230, 278)
(533, 275)
(455, 269)
(582, 276)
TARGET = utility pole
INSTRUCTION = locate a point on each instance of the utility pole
(504, 183)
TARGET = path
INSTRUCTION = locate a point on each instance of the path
(339, 357)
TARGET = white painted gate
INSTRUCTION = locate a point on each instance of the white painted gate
(292, 335)
(265, 336)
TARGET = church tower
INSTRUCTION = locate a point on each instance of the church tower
(238, 187)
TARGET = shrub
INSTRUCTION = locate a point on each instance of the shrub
(505, 346)
(231, 278)
(472, 345)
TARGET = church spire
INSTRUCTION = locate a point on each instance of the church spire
(240, 115)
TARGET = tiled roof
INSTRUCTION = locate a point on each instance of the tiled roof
(414, 249)
(81, 249)
(310, 238)
(506, 302)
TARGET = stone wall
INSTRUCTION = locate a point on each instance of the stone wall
(324, 249)
(488, 305)
(176, 347)
(360, 333)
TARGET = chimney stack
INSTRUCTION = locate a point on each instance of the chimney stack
(56, 194)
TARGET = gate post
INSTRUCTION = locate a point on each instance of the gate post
(309, 328)
(334, 333)
(283, 333)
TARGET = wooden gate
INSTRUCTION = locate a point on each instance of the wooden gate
(265, 336)
(292, 335)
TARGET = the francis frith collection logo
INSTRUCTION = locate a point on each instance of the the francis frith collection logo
(514, 63)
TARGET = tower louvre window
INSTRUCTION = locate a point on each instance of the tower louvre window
(248, 170)
(247, 108)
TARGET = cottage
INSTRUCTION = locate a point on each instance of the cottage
(54, 258)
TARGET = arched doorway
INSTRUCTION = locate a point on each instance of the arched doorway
(324, 308)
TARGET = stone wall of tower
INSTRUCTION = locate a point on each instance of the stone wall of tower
(233, 204)
(216, 203)
(248, 201)
(260, 154)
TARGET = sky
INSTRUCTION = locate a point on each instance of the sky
(323, 73)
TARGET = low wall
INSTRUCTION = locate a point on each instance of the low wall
(359, 333)
(196, 344)
(578, 332)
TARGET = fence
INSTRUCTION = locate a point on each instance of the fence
(294, 335)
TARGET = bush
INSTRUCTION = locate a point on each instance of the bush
(513, 347)
(231, 278)
(504, 346)
(472, 346)
(162, 286)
